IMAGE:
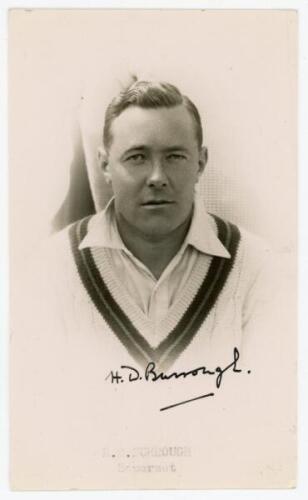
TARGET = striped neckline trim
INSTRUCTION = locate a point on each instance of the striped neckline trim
(165, 354)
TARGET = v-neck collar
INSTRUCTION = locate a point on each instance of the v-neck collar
(190, 320)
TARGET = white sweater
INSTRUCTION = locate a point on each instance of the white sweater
(70, 414)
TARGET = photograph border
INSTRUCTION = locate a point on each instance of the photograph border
(302, 488)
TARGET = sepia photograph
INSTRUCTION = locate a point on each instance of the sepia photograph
(153, 249)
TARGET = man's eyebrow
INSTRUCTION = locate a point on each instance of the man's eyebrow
(176, 148)
(142, 147)
(134, 148)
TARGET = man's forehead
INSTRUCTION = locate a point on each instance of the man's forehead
(162, 113)
(143, 124)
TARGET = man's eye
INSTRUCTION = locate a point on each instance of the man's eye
(136, 159)
(176, 157)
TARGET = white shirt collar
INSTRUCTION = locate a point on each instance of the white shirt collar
(103, 232)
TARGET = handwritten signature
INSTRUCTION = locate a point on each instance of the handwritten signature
(152, 374)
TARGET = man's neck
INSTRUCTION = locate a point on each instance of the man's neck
(154, 253)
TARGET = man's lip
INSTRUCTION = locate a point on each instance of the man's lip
(157, 202)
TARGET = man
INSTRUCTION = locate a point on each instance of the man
(165, 256)
(167, 282)
(148, 304)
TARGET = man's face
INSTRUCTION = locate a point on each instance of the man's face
(153, 165)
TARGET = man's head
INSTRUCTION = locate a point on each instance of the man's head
(153, 157)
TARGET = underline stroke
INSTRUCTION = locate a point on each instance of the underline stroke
(187, 401)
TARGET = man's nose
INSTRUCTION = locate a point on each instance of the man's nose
(157, 176)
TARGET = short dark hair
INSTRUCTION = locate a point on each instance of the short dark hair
(148, 94)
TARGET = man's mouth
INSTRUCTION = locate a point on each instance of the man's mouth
(152, 203)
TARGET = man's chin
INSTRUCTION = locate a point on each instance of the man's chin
(156, 233)
(159, 230)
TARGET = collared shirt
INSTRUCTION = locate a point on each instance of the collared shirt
(155, 296)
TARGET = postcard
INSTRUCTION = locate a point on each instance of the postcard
(153, 249)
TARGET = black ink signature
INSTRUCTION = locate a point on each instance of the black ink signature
(152, 374)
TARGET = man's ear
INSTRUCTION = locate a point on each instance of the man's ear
(203, 157)
(104, 164)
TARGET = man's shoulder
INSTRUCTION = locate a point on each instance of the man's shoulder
(55, 246)
(59, 244)
(258, 261)
(53, 256)
(250, 243)
(254, 244)
(253, 255)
